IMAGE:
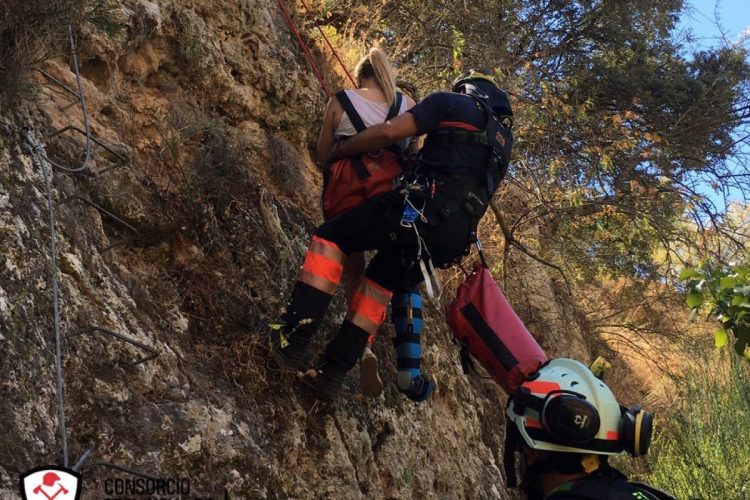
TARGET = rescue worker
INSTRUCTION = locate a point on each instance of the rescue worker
(430, 220)
(564, 423)
(371, 101)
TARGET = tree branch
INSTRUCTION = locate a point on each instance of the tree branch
(510, 241)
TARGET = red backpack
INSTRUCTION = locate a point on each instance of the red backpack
(487, 327)
(348, 182)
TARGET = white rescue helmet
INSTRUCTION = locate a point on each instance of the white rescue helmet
(564, 407)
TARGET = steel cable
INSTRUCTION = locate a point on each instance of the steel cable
(37, 153)
(82, 100)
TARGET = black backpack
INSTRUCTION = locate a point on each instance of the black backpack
(496, 135)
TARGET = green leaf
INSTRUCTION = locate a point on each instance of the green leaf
(737, 300)
(694, 299)
(745, 290)
(693, 314)
(720, 338)
(688, 273)
(727, 282)
(276, 326)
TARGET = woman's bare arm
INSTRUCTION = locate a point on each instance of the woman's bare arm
(331, 118)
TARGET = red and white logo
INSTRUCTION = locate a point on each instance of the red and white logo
(51, 483)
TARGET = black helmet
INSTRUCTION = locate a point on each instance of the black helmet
(480, 83)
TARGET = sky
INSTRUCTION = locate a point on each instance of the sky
(714, 23)
(701, 18)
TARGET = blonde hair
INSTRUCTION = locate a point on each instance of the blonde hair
(376, 65)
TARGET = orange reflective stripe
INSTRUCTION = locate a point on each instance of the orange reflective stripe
(324, 263)
(377, 292)
(314, 281)
(327, 249)
(540, 387)
(368, 306)
(323, 267)
(363, 322)
(533, 423)
(613, 436)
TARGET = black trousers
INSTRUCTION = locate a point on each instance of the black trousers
(376, 225)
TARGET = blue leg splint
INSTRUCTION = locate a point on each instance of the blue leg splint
(407, 320)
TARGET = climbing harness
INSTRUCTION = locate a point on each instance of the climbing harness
(409, 217)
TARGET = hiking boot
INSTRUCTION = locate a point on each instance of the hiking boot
(419, 389)
(369, 378)
(290, 355)
(326, 381)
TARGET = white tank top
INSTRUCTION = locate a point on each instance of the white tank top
(371, 113)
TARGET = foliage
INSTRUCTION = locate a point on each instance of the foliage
(708, 455)
(725, 293)
(620, 131)
(617, 131)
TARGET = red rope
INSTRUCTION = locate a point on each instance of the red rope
(308, 54)
(328, 42)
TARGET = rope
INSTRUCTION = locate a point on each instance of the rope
(82, 100)
(328, 42)
(305, 49)
(37, 152)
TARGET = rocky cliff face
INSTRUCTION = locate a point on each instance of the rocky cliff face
(183, 234)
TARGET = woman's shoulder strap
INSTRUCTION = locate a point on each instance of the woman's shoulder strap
(395, 107)
(350, 111)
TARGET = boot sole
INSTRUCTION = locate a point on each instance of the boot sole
(370, 380)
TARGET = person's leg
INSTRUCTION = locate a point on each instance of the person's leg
(366, 227)
(406, 314)
(316, 283)
(370, 381)
(367, 312)
(353, 271)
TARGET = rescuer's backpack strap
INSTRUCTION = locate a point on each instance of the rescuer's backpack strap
(496, 136)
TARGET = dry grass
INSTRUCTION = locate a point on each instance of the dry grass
(30, 32)
(234, 243)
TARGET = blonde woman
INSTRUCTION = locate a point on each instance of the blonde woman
(375, 100)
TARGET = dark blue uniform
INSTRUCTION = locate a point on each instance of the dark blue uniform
(447, 110)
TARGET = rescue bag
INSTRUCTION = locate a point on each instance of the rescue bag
(347, 182)
(485, 326)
